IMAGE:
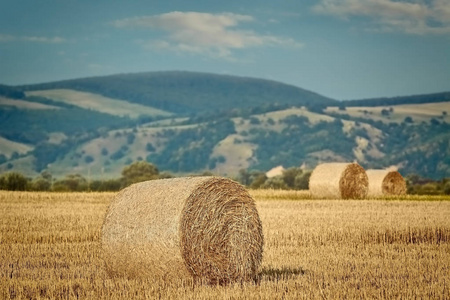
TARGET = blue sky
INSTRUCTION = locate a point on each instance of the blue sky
(343, 49)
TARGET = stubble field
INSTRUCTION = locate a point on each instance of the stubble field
(314, 249)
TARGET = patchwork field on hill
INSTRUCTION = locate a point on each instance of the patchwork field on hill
(99, 103)
(417, 112)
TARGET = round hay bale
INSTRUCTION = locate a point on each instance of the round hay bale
(338, 180)
(207, 228)
(385, 183)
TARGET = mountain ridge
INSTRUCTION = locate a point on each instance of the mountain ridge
(190, 92)
(67, 136)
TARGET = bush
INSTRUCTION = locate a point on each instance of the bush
(447, 188)
(88, 159)
(139, 171)
(13, 181)
(71, 183)
(40, 184)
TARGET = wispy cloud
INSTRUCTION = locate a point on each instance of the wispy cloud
(411, 17)
(215, 35)
(33, 39)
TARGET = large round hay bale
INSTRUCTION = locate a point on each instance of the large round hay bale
(338, 180)
(207, 228)
(385, 183)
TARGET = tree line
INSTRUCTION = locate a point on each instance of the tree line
(291, 179)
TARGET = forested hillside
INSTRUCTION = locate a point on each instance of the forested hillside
(11, 92)
(219, 124)
(415, 99)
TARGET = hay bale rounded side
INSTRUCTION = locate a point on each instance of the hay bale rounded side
(339, 180)
(385, 183)
(207, 228)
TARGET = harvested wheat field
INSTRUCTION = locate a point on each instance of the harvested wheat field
(50, 247)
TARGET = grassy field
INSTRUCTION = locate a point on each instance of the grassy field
(418, 112)
(99, 103)
(314, 249)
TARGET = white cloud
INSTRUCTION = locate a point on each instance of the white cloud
(411, 17)
(41, 39)
(6, 38)
(34, 39)
(215, 35)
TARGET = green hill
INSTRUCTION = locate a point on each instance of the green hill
(190, 92)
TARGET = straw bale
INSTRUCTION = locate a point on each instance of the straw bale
(338, 180)
(385, 183)
(206, 228)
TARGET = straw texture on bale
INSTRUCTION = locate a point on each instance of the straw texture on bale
(206, 228)
(385, 183)
(339, 180)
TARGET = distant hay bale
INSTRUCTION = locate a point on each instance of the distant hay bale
(338, 180)
(385, 183)
(207, 228)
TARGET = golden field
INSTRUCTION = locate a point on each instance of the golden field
(314, 249)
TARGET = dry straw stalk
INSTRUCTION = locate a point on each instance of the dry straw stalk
(385, 183)
(338, 180)
(207, 228)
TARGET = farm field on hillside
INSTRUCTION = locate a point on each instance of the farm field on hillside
(377, 248)
(418, 112)
(99, 103)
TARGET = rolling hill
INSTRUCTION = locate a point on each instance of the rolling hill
(190, 92)
(194, 122)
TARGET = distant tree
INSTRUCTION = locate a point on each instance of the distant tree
(258, 180)
(13, 181)
(302, 181)
(104, 151)
(149, 147)
(40, 184)
(447, 188)
(289, 176)
(254, 121)
(46, 175)
(105, 185)
(71, 183)
(139, 171)
(88, 159)
(276, 182)
(408, 119)
(118, 154)
(434, 122)
(385, 112)
(316, 107)
(130, 138)
(15, 155)
(243, 177)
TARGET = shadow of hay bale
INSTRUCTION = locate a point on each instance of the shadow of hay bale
(284, 273)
